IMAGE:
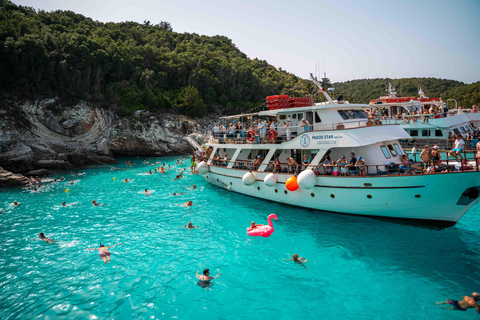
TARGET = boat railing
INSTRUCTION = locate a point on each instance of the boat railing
(384, 169)
(443, 144)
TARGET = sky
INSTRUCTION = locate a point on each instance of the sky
(348, 39)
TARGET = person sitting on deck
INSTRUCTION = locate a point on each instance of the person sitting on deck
(370, 122)
(459, 147)
(407, 165)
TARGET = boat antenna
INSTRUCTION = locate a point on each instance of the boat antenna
(322, 89)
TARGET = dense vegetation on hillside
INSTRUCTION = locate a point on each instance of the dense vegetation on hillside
(130, 66)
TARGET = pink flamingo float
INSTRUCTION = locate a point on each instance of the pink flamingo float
(264, 231)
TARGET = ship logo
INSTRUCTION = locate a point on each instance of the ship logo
(304, 140)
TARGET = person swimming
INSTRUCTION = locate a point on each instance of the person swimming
(297, 260)
(104, 254)
(205, 279)
(94, 203)
(147, 193)
(126, 180)
(190, 225)
(464, 304)
(178, 193)
(16, 204)
(47, 240)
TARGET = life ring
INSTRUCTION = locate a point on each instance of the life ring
(250, 135)
(272, 134)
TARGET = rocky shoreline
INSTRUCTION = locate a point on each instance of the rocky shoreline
(39, 136)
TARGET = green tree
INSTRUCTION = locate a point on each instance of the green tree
(190, 102)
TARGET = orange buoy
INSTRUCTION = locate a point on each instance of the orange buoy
(291, 183)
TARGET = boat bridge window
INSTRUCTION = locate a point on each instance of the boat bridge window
(317, 118)
(397, 147)
(462, 130)
(425, 133)
(256, 152)
(392, 150)
(385, 152)
(438, 133)
(414, 133)
(352, 114)
(282, 117)
(294, 116)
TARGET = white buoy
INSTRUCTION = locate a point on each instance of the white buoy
(270, 180)
(249, 178)
(202, 168)
(306, 179)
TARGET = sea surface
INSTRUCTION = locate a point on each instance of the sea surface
(358, 268)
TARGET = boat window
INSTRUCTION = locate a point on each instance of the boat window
(456, 131)
(392, 150)
(343, 114)
(385, 152)
(360, 114)
(294, 116)
(438, 133)
(414, 133)
(462, 130)
(317, 118)
(425, 133)
(397, 147)
(309, 117)
(299, 116)
(282, 117)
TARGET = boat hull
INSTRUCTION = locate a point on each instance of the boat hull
(436, 197)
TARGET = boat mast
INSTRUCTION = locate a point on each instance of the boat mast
(322, 89)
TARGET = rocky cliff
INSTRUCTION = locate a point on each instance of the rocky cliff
(46, 135)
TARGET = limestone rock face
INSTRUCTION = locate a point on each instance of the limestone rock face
(9, 179)
(45, 135)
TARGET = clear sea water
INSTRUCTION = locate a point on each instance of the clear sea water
(358, 268)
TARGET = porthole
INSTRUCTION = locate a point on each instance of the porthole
(217, 180)
(285, 191)
(312, 194)
(258, 188)
(367, 184)
(369, 196)
(276, 191)
(207, 176)
(332, 196)
(417, 196)
(231, 183)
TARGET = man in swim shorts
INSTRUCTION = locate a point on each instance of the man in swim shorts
(463, 305)
(47, 240)
(204, 280)
(459, 147)
(104, 254)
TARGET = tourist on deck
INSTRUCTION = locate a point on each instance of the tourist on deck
(292, 164)
(327, 164)
(297, 259)
(436, 156)
(465, 166)
(189, 226)
(340, 126)
(204, 280)
(262, 130)
(464, 304)
(306, 161)
(278, 166)
(225, 160)
(288, 128)
(352, 164)
(104, 254)
(342, 162)
(425, 156)
(407, 165)
(362, 167)
(459, 145)
(47, 240)
(305, 124)
(335, 168)
(216, 131)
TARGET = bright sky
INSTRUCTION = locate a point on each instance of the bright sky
(357, 39)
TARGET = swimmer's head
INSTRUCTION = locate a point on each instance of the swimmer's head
(206, 272)
(295, 257)
(190, 202)
(190, 224)
(93, 201)
(63, 203)
(194, 186)
(41, 235)
(476, 296)
(101, 245)
(253, 223)
(15, 202)
(146, 190)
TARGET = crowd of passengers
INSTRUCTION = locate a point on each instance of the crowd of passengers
(431, 162)
(376, 114)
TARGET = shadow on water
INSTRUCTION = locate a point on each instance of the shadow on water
(428, 251)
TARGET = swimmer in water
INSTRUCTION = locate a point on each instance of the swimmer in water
(188, 204)
(147, 193)
(104, 254)
(150, 172)
(253, 225)
(193, 188)
(177, 177)
(297, 259)
(68, 204)
(190, 225)
(94, 203)
(126, 180)
(463, 305)
(16, 204)
(47, 240)
(204, 279)
(178, 193)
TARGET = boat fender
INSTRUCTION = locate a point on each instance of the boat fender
(291, 184)
(250, 135)
(306, 179)
(270, 180)
(202, 168)
(249, 178)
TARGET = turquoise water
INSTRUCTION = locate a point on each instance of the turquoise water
(358, 268)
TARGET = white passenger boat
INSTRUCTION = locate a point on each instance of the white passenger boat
(438, 126)
(389, 189)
